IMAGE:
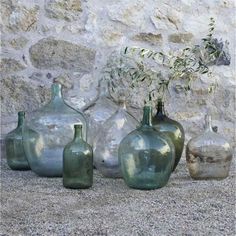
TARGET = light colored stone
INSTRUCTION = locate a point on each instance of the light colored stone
(10, 65)
(180, 37)
(18, 43)
(148, 37)
(19, 94)
(17, 17)
(67, 10)
(51, 53)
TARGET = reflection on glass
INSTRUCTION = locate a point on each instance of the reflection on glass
(108, 139)
(208, 155)
(146, 156)
(48, 131)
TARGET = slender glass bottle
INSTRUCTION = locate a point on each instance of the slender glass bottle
(108, 139)
(172, 128)
(16, 158)
(99, 110)
(209, 155)
(146, 156)
(48, 131)
(78, 162)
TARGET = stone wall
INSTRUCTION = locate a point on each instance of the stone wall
(71, 41)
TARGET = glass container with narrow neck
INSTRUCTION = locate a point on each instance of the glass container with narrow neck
(99, 110)
(209, 154)
(146, 156)
(77, 162)
(16, 158)
(172, 128)
(108, 139)
(47, 132)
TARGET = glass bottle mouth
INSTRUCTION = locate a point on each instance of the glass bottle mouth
(21, 113)
(78, 126)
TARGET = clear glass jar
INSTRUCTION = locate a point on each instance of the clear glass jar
(208, 155)
(108, 139)
(146, 156)
(99, 110)
(16, 158)
(48, 131)
(172, 128)
(78, 162)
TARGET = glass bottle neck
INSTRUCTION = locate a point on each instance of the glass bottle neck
(56, 91)
(78, 132)
(147, 116)
(21, 119)
(160, 108)
(208, 123)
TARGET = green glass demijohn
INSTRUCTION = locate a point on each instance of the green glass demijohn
(16, 158)
(172, 128)
(78, 162)
(47, 131)
(146, 156)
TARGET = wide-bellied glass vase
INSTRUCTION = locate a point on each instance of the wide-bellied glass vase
(99, 110)
(16, 158)
(108, 139)
(209, 154)
(146, 156)
(78, 162)
(48, 131)
(172, 128)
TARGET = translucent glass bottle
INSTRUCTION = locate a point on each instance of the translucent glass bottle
(172, 128)
(16, 158)
(48, 131)
(108, 139)
(78, 162)
(99, 110)
(209, 155)
(146, 156)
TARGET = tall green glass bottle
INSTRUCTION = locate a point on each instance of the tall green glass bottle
(146, 156)
(16, 158)
(77, 162)
(172, 128)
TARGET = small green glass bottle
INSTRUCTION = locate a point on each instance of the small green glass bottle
(16, 158)
(146, 156)
(77, 162)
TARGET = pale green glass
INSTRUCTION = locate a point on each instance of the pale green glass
(146, 156)
(48, 131)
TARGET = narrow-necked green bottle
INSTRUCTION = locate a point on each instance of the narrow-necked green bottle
(146, 156)
(172, 128)
(77, 162)
(16, 158)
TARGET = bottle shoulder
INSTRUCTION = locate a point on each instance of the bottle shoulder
(79, 146)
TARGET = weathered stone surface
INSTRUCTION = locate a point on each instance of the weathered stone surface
(148, 37)
(66, 10)
(50, 53)
(128, 13)
(9, 65)
(18, 43)
(17, 17)
(180, 37)
(17, 94)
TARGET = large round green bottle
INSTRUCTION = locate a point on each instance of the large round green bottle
(146, 156)
(172, 128)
